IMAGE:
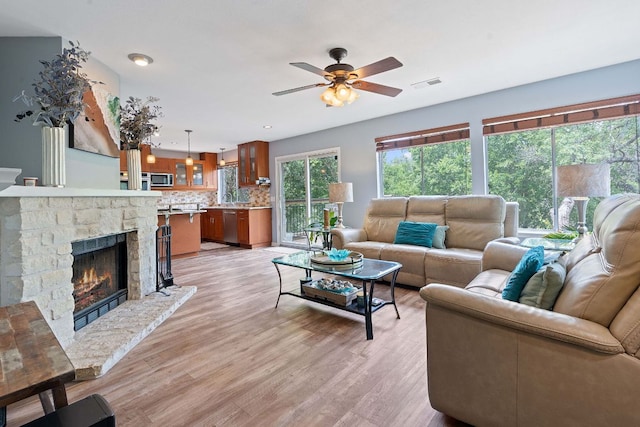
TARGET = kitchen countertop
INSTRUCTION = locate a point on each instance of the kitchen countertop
(179, 211)
(237, 207)
(203, 209)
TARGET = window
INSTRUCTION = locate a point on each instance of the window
(429, 162)
(228, 191)
(521, 164)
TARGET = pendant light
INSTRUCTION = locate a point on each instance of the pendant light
(222, 162)
(189, 159)
(150, 157)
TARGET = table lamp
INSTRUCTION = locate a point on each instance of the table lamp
(339, 193)
(580, 182)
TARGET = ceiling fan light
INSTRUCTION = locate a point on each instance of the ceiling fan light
(353, 96)
(335, 102)
(327, 96)
(342, 92)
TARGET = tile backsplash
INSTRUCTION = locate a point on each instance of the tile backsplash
(258, 196)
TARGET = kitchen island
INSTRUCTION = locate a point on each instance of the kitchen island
(185, 230)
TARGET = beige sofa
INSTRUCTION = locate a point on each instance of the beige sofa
(493, 362)
(473, 222)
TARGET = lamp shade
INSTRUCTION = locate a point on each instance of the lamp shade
(340, 192)
(584, 180)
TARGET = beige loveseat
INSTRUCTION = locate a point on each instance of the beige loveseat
(473, 221)
(492, 362)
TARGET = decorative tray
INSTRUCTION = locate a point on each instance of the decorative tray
(352, 259)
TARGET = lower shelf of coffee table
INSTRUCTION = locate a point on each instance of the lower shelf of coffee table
(352, 308)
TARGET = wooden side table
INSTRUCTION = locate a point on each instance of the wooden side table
(32, 360)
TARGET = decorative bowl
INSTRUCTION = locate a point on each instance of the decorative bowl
(337, 254)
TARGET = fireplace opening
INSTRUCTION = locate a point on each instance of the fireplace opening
(99, 277)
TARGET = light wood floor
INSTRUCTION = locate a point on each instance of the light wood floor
(227, 357)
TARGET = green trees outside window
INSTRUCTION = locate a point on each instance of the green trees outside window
(432, 169)
(520, 164)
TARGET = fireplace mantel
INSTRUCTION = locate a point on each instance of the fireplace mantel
(37, 227)
(22, 191)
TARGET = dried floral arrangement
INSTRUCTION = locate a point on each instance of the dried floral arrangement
(137, 121)
(58, 93)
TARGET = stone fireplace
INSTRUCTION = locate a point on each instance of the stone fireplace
(38, 229)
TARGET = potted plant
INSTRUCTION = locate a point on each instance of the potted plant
(57, 101)
(137, 124)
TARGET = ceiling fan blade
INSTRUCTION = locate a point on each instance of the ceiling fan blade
(376, 88)
(298, 89)
(378, 67)
(311, 68)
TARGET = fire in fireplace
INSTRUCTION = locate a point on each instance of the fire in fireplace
(99, 277)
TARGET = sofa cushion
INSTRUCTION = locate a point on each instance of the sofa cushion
(367, 249)
(474, 220)
(426, 209)
(383, 217)
(543, 287)
(412, 259)
(489, 282)
(439, 236)
(415, 233)
(603, 270)
(452, 266)
(530, 262)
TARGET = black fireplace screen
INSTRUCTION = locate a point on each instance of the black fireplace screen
(99, 277)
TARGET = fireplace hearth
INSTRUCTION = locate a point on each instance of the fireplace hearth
(99, 277)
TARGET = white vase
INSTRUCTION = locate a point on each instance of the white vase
(134, 169)
(54, 143)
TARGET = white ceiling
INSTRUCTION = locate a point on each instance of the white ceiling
(216, 62)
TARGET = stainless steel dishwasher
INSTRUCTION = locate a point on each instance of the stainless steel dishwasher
(230, 220)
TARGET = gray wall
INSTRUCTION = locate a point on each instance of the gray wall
(20, 143)
(358, 161)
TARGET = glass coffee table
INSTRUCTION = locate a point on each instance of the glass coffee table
(367, 271)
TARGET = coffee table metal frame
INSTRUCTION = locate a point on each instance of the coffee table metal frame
(368, 272)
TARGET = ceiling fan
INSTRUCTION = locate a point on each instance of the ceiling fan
(343, 78)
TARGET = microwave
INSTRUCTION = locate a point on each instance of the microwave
(161, 179)
(124, 181)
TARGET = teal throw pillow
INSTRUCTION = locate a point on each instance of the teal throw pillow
(415, 233)
(543, 288)
(439, 236)
(529, 264)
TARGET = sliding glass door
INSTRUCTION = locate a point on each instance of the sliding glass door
(303, 192)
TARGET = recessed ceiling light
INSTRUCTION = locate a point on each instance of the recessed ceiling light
(267, 126)
(140, 59)
(173, 143)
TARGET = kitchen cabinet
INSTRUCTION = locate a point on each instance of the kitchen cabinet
(212, 225)
(189, 177)
(254, 227)
(253, 162)
(210, 170)
(162, 165)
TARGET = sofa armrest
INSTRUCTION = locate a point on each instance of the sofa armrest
(341, 236)
(523, 318)
(501, 256)
(509, 240)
